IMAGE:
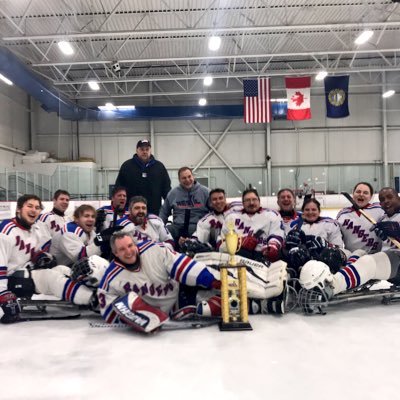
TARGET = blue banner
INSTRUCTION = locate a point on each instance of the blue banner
(337, 96)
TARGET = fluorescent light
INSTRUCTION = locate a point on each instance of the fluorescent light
(93, 85)
(364, 37)
(214, 43)
(126, 107)
(66, 47)
(388, 93)
(321, 75)
(281, 100)
(107, 107)
(208, 80)
(6, 80)
(202, 102)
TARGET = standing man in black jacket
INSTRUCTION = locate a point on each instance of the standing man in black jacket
(145, 176)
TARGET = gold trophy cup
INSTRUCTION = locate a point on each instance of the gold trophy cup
(234, 307)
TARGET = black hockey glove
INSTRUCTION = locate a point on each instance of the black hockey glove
(80, 270)
(190, 247)
(315, 244)
(385, 229)
(10, 307)
(295, 238)
(104, 236)
(297, 257)
(333, 257)
(43, 260)
(100, 219)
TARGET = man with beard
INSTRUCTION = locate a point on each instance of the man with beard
(144, 226)
(287, 202)
(56, 218)
(26, 268)
(261, 229)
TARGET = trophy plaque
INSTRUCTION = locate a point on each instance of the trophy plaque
(234, 306)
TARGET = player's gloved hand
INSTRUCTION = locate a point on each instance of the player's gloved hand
(315, 244)
(104, 236)
(43, 260)
(216, 284)
(333, 257)
(191, 247)
(100, 219)
(10, 307)
(297, 257)
(295, 238)
(271, 252)
(385, 229)
(249, 243)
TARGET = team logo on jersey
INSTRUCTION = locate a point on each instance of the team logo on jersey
(337, 97)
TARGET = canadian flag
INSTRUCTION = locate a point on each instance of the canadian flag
(298, 97)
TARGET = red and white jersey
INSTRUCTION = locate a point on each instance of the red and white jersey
(152, 229)
(387, 244)
(355, 228)
(265, 224)
(72, 243)
(18, 246)
(209, 227)
(155, 280)
(53, 222)
(325, 227)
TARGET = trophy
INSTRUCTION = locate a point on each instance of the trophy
(234, 307)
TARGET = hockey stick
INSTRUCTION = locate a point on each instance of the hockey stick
(367, 216)
(43, 318)
(167, 326)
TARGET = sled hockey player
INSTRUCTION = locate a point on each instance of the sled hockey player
(261, 229)
(209, 227)
(145, 226)
(106, 216)
(287, 202)
(141, 286)
(320, 285)
(355, 228)
(56, 218)
(25, 266)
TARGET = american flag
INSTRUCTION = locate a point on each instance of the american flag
(257, 108)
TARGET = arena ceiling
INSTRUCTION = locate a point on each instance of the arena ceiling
(161, 47)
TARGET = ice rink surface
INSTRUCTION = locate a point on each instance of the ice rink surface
(350, 353)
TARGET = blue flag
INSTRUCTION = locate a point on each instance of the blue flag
(337, 96)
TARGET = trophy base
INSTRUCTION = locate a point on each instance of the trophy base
(235, 326)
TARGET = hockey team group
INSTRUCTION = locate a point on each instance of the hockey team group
(139, 269)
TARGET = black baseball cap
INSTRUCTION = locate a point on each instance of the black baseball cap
(143, 143)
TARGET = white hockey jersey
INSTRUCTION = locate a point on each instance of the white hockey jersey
(18, 246)
(325, 227)
(72, 244)
(152, 229)
(109, 210)
(289, 221)
(355, 228)
(209, 227)
(156, 280)
(265, 224)
(53, 222)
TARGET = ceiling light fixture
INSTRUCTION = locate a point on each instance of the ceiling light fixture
(107, 107)
(388, 93)
(66, 47)
(363, 37)
(208, 80)
(321, 75)
(202, 101)
(5, 80)
(214, 43)
(94, 85)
